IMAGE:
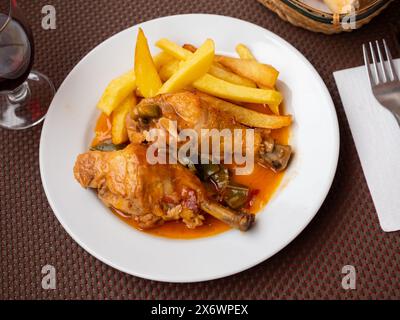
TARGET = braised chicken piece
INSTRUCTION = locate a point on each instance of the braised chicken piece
(190, 110)
(151, 194)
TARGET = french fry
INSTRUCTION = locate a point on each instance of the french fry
(228, 76)
(168, 70)
(192, 69)
(162, 59)
(247, 117)
(119, 132)
(139, 94)
(261, 74)
(216, 70)
(173, 49)
(275, 108)
(225, 90)
(116, 92)
(148, 80)
(190, 47)
(244, 52)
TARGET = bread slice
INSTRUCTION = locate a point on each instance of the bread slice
(341, 6)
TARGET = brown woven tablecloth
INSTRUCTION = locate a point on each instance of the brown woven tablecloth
(345, 231)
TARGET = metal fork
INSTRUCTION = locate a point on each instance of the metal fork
(383, 77)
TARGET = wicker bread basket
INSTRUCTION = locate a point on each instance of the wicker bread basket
(302, 15)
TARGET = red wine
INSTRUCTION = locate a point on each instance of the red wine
(16, 52)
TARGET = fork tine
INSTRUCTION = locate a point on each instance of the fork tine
(382, 62)
(375, 63)
(390, 61)
(368, 65)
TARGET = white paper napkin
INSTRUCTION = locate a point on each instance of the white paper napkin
(377, 137)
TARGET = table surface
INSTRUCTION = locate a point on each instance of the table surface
(346, 231)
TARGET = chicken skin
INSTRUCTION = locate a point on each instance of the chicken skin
(151, 194)
(191, 110)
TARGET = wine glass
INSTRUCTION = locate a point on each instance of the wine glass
(25, 95)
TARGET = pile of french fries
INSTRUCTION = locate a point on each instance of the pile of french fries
(225, 80)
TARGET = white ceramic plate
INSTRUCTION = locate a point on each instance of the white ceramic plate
(68, 131)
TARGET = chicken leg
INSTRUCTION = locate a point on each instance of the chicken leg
(151, 194)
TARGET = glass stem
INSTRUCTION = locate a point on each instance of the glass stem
(19, 94)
